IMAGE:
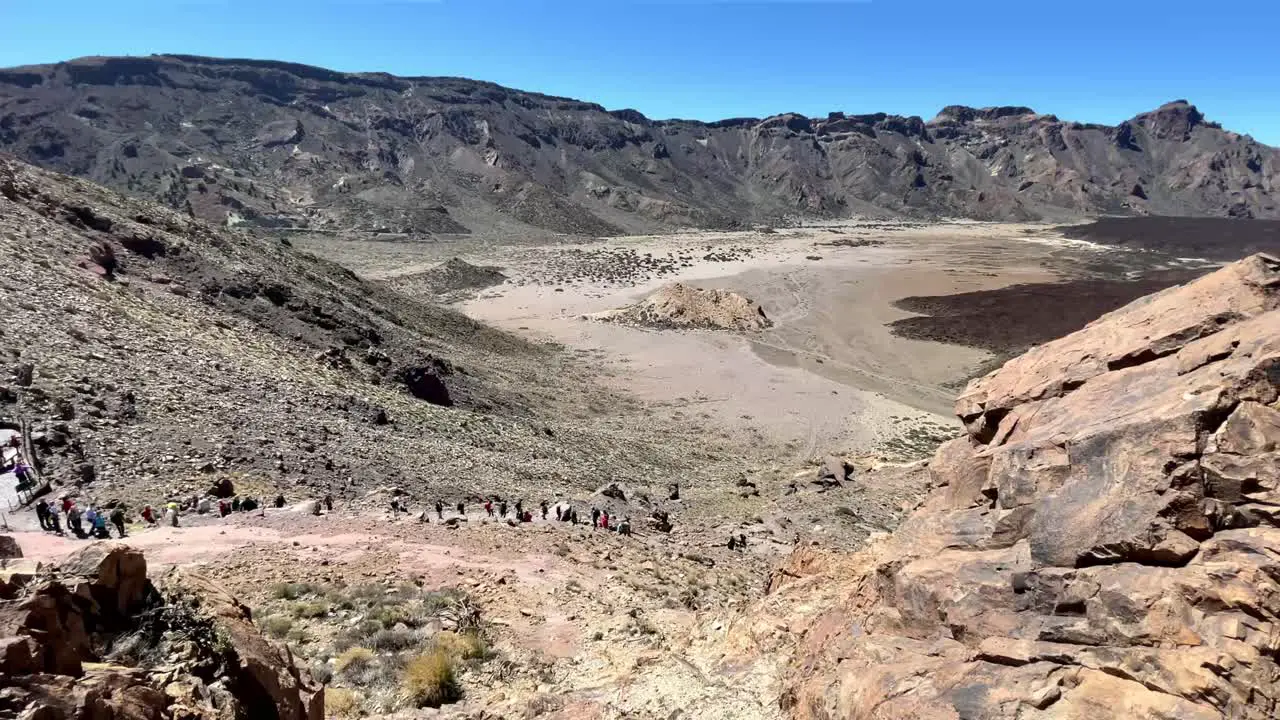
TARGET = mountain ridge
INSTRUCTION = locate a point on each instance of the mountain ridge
(295, 146)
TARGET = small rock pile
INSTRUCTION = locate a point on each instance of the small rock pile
(680, 306)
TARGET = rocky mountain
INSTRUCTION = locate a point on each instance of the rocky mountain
(283, 145)
(153, 355)
(1100, 543)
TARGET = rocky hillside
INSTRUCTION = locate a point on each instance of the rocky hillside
(1101, 543)
(153, 355)
(284, 145)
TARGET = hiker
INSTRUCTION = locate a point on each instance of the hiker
(544, 509)
(439, 510)
(149, 515)
(100, 525)
(488, 508)
(733, 542)
(742, 541)
(625, 527)
(573, 516)
(595, 517)
(224, 508)
(462, 509)
(520, 509)
(53, 519)
(66, 504)
(235, 504)
(280, 501)
(173, 514)
(74, 522)
(42, 514)
(604, 520)
(25, 478)
(328, 503)
(117, 519)
(249, 505)
(558, 513)
(502, 508)
(528, 516)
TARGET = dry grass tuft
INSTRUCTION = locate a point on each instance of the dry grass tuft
(354, 661)
(341, 703)
(430, 681)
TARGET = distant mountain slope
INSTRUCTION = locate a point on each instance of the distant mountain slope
(280, 144)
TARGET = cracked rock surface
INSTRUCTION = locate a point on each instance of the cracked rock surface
(1104, 542)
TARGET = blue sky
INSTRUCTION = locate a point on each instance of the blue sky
(1085, 60)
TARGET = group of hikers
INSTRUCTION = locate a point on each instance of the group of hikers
(88, 523)
(95, 522)
(501, 510)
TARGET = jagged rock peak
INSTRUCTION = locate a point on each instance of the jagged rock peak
(966, 114)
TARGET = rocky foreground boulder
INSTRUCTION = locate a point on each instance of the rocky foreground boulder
(95, 639)
(1104, 541)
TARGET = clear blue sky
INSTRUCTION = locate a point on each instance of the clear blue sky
(1085, 60)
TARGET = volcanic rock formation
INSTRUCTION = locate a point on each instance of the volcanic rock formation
(1103, 542)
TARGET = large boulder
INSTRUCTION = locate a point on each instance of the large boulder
(1105, 542)
(9, 548)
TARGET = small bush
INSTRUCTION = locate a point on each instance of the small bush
(361, 634)
(392, 615)
(341, 703)
(293, 591)
(277, 626)
(394, 640)
(298, 636)
(438, 600)
(354, 661)
(429, 680)
(463, 646)
(311, 610)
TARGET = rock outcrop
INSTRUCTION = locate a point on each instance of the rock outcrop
(680, 306)
(1103, 542)
(95, 639)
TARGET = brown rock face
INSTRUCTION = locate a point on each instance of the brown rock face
(1104, 543)
(69, 644)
